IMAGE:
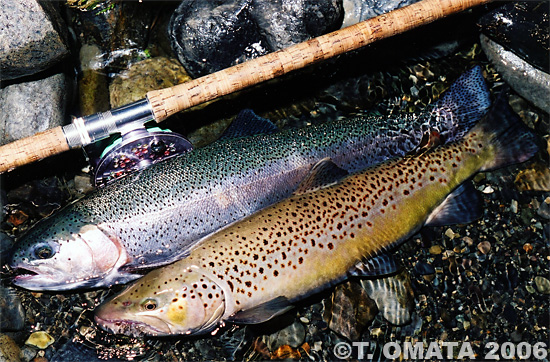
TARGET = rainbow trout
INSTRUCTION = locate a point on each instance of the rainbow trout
(255, 268)
(155, 216)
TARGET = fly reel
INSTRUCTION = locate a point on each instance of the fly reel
(135, 150)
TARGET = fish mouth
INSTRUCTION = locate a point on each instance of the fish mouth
(34, 279)
(38, 279)
(129, 327)
(23, 274)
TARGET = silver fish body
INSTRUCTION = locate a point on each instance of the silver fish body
(155, 216)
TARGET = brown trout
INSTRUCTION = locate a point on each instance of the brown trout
(325, 232)
(153, 217)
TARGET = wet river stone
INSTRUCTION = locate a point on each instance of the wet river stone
(6, 243)
(12, 317)
(31, 107)
(208, 36)
(349, 310)
(359, 10)
(293, 336)
(33, 37)
(144, 76)
(9, 350)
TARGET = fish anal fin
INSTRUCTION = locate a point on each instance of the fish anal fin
(323, 173)
(262, 312)
(462, 206)
(380, 265)
(247, 123)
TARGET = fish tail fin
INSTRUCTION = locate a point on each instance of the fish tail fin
(512, 141)
(462, 105)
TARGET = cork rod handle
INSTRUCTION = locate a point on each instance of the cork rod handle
(168, 101)
(33, 148)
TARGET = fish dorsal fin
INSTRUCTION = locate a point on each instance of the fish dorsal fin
(323, 173)
(383, 264)
(263, 312)
(247, 123)
(462, 206)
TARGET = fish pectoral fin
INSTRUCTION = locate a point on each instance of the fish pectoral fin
(380, 265)
(247, 123)
(146, 263)
(323, 173)
(462, 206)
(263, 312)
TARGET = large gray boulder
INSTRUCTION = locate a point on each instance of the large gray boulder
(31, 107)
(32, 37)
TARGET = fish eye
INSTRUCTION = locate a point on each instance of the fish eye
(44, 252)
(149, 304)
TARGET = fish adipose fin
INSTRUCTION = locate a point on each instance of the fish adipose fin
(323, 173)
(247, 123)
(512, 140)
(380, 265)
(462, 206)
(462, 105)
(263, 312)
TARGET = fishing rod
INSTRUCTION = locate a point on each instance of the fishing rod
(160, 104)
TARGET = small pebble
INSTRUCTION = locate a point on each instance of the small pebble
(488, 190)
(527, 247)
(376, 332)
(451, 234)
(304, 320)
(40, 339)
(542, 284)
(514, 206)
(468, 240)
(317, 346)
(436, 250)
(484, 247)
